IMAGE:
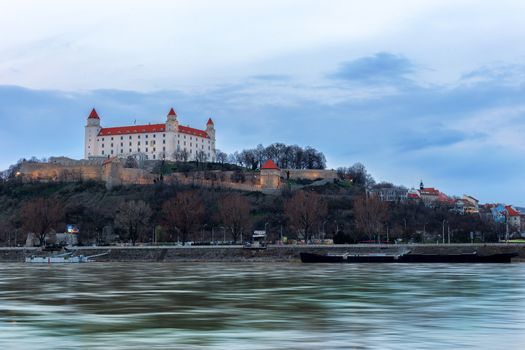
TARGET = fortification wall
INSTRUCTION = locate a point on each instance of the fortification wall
(309, 174)
(48, 172)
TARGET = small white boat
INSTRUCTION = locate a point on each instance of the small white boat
(58, 259)
(67, 258)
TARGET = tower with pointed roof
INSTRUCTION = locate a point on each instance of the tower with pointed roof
(90, 134)
(172, 124)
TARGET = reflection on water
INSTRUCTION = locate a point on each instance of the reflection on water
(261, 306)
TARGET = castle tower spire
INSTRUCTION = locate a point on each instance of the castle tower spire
(172, 124)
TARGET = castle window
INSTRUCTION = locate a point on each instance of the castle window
(121, 144)
(138, 136)
(122, 137)
(164, 148)
(146, 149)
(178, 142)
(154, 135)
(130, 150)
(184, 143)
(102, 145)
(153, 149)
(112, 144)
(130, 137)
(138, 149)
(139, 143)
(121, 151)
(146, 142)
(111, 151)
(146, 135)
(164, 141)
(102, 139)
(102, 152)
(130, 143)
(112, 139)
(163, 135)
(153, 156)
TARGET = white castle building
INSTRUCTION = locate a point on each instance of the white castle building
(169, 141)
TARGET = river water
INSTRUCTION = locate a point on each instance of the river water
(262, 306)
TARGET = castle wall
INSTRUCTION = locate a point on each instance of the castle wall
(308, 174)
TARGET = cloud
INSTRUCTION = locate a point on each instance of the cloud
(380, 68)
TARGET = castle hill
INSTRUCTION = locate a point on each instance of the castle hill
(168, 186)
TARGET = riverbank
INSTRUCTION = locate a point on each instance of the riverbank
(274, 253)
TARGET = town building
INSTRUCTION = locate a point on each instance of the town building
(169, 140)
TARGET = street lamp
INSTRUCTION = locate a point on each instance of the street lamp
(443, 223)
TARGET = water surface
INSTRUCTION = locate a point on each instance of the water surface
(261, 306)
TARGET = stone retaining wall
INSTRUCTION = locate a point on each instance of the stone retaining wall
(271, 254)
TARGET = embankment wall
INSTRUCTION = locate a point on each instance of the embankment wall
(286, 253)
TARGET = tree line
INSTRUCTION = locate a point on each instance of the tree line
(284, 156)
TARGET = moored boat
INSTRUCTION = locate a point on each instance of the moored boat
(408, 257)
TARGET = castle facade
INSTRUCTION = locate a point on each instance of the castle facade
(169, 140)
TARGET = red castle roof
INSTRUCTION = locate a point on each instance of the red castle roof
(93, 114)
(210, 122)
(150, 128)
(269, 165)
(172, 112)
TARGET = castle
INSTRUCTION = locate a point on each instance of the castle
(169, 141)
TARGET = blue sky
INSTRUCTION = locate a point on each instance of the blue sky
(430, 90)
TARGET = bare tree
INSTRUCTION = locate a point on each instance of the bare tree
(305, 210)
(183, 212)
(370, 214)
(221, 156)
(133, 217)
(201, 156)
(181, 155)
(234, 213)
(41, 215)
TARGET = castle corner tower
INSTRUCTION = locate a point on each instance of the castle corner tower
(91, 131)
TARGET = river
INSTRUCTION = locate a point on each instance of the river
(261, 306)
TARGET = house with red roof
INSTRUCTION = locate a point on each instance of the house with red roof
(513, 217)
(168, 140)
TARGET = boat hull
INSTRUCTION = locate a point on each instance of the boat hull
(409, 258)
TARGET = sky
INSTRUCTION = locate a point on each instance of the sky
(414, 90)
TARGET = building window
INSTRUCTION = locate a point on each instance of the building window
(146, 142)
(153, 156)
(111, 151)
(112, 139)
(121, 151)
(146, 149)
(102, 152)
(138, 149)
(102, 139)
(163, 148)
(163, 135)
(130, 137)
(138, 136)
(130, 150)
(139, 143)
(122, 137)
(102, 145)
(111, 144)
(146, 135)
(154, 135)
(164, 142)
(121, 144)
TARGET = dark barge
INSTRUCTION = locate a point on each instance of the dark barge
(473, 257)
